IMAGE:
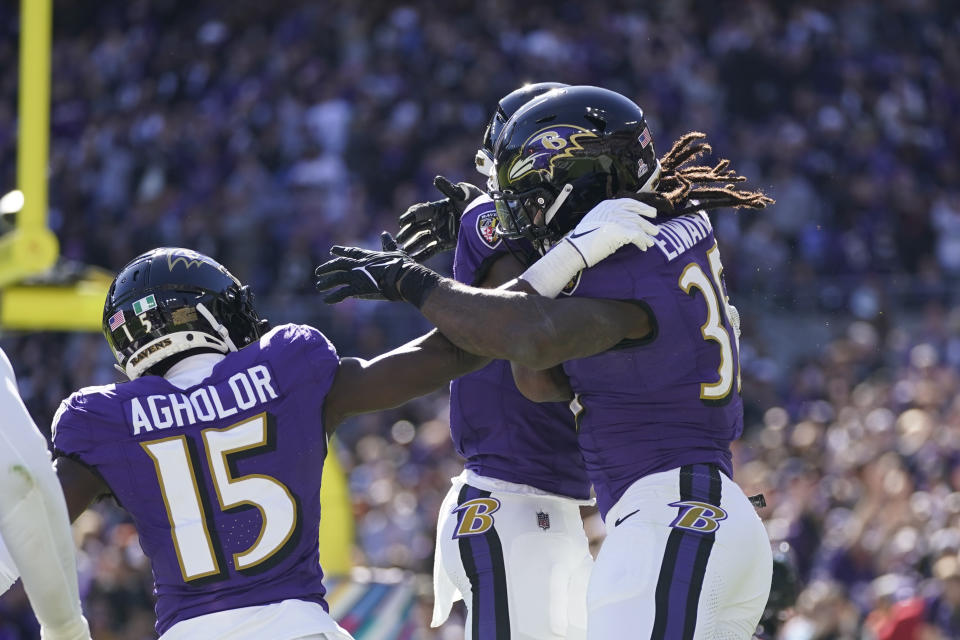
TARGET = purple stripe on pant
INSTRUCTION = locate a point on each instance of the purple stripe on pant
(692, 556)
(482, 558)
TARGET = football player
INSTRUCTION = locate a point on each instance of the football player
(510, 541)
(216, 451)
(648, 349)
(216, 444)
(34, 533)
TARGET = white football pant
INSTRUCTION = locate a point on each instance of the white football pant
(685, 558)
(517, 556)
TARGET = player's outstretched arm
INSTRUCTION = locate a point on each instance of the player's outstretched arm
(396, 377)
(538, 333)
(532, 330)
(512, 323)
(520, 325)
(33, 519)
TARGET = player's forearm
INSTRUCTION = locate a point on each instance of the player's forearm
(514, 324)
(483, 322)
(419, 367)
(396, 377)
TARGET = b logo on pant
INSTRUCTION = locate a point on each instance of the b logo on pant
(476, 516)
(698, 516)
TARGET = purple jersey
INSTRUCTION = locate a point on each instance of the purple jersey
(223, 478)
(500, 433)
(672, 399)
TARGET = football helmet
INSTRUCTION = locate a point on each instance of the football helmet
(170, 302)
(785, 587)
(507, 106)
(563, 153)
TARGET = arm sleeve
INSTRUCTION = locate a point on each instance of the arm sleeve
(33, 519)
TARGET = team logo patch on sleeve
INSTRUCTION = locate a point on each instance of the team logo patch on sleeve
(487, 228)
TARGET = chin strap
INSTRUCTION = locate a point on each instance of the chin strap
(557, 203)
(652, 181)
(219, 328)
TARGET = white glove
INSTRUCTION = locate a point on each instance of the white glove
(609, 226)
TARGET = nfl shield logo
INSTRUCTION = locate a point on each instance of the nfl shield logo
(543, 520)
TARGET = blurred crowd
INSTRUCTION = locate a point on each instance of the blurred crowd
(858, 454)
(261, 133)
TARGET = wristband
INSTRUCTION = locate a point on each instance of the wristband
(551, 273)
(416, 282)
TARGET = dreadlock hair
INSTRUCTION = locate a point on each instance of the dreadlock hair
(679, 183)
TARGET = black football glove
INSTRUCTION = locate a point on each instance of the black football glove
(390, 274)
(429, 228)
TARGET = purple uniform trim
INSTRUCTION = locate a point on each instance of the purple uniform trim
(685, 560)
(482, 558)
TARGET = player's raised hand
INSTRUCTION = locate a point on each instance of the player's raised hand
(429, 228)
(389, 274)
(606, 228)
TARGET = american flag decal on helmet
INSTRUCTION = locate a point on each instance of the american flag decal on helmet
(543, 520)
(645, 137)
(116, 320)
